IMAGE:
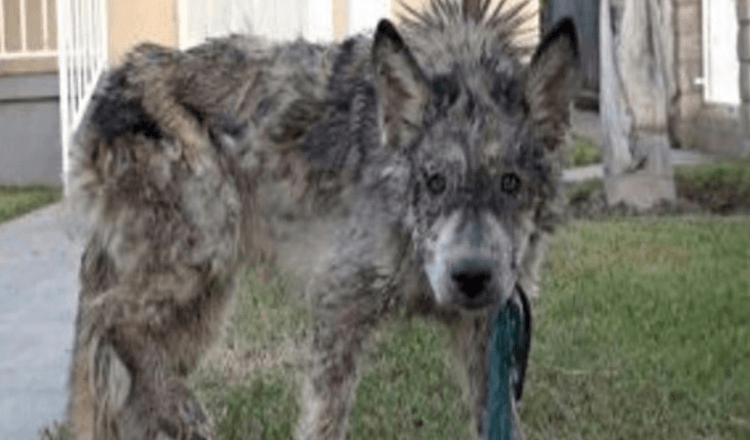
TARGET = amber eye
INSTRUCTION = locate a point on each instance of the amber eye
(436, 184)
(510, 183)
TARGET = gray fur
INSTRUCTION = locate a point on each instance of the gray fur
(422, 170)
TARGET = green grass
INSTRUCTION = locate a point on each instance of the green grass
(409, 391)
(581, 152)
(577, 191)
(16, 201)
(722, 186)
(59, 432)
(250, 384)
(642, 331)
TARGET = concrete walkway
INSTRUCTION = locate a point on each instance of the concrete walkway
(587, 124)
(678, 157)
(38, 288)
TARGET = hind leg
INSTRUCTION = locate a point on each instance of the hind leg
(136, 379)
(149, 403)
(111, 400)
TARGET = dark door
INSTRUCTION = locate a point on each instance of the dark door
(585, 15)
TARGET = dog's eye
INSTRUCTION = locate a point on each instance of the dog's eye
(436, 184)
(510, 183)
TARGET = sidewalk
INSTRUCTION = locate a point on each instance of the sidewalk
(678, 157)
(584, 123)
(38, 288)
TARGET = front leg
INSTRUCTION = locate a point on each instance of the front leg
(502, 343)
(344, 318)
(148, 402)
(470, 336)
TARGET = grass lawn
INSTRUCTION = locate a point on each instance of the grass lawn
(643, 331)
(16, 201)
(721, 186)
(581, 152)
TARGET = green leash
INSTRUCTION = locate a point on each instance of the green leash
(508, 350)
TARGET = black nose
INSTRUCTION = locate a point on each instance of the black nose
(472, 276)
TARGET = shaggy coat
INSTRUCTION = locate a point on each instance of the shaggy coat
(415, 170)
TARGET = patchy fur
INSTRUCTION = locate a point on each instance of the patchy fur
(416, 170)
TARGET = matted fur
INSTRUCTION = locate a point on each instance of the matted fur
(351, 165)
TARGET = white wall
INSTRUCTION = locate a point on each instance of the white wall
(364, 15)
(274, 19)
(720, 60)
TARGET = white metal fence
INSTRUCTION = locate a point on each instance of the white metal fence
(26, 29)
(82, 47)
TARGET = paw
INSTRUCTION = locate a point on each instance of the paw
(168, 413)
(181, 417)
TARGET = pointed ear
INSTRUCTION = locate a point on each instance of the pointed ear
(551, 82)
(402, 91)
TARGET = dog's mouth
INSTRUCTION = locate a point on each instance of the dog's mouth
(481, 302)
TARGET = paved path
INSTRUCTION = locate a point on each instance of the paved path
(585, 123)
(38, 285)
(678, 157)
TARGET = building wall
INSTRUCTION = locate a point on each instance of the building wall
(713, 128)
(689, 59)
(134, 21)
(131, 21)
(531, 10)
(341, 15)
(30, 147)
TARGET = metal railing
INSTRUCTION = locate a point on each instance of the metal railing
(82, 58)
(23, 17)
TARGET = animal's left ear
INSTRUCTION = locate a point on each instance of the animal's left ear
(403, 93)
(551, 81)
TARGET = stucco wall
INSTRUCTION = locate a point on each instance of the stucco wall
(30, 148)
(134, 21)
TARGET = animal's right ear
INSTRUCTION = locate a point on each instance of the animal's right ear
(402, 91)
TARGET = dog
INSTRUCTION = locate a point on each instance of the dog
(417, 170)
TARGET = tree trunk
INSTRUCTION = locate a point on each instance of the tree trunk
(636, 95)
